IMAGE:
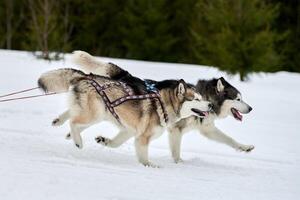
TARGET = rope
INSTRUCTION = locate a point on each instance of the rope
(27, 97)
(22, 91)
(24, 97)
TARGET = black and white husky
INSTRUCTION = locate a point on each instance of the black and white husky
(226, 100)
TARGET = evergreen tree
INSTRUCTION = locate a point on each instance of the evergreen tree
(146, 32)
(180, 16)
(288, 24)
(97, 26)
(235, 35)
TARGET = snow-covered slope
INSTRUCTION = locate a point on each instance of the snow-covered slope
(36, 162)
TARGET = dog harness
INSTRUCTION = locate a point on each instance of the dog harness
(110, 105)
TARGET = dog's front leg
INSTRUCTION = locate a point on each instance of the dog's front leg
(213, 133)
(117, 141)
(61, 119)
(175, 136)
(141, 147)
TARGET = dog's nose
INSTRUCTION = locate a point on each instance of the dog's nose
(250, 108)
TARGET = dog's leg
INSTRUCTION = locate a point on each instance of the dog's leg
(76, 129)
(61, 119)
(213, 133)
(175, 136)
(117, 141)
(68, 136)
(141, 147)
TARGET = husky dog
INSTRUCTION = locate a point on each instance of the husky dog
(226, 100)
(143, 119)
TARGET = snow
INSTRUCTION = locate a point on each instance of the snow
(38, 163)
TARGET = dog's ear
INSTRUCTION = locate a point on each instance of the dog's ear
(220, 85)
(222, 79)
(181, 88)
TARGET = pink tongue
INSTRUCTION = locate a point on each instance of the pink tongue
(239, 115)
(205, 114)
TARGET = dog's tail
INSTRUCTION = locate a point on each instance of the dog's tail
(89, 64)
(59, 80)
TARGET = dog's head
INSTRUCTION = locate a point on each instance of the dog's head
(188, 102)
(226, 99)
(182, 99)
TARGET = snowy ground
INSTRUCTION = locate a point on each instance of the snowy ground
(38, 163)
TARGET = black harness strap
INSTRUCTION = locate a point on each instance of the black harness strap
(154, 94)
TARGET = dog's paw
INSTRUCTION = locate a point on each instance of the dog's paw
(245, 148)
(178, 160)
(57, 122)
(68, 136)
(79, 146)
(149, 164)
(102, 140)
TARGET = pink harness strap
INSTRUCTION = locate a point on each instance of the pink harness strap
(130, 96)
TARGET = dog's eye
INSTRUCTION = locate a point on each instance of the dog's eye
(238, 99)
(225, 93)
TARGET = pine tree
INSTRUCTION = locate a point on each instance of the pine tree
(235, 35)
(288, 24)
(180, 16)
(97, 26)
(146, 31)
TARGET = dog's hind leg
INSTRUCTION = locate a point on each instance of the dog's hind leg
(117, 141)
(61, 119)
(213, 133)
(175, 136)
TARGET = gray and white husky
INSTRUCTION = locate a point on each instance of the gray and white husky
(226, 100)
(144, 119)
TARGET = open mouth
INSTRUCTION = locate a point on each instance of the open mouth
(200, 113)
(236, 114)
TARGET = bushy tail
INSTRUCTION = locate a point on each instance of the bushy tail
(59, 80)
(89, 64)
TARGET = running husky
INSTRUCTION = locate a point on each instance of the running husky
(126, 102)
(226, 100)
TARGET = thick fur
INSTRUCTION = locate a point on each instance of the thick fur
(218, 91)
(59, 80)
(89, 64)
(224, 97)
(141, 119)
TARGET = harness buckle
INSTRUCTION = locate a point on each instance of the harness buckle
(150, 87)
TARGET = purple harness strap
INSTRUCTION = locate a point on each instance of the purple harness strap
(130, 96)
